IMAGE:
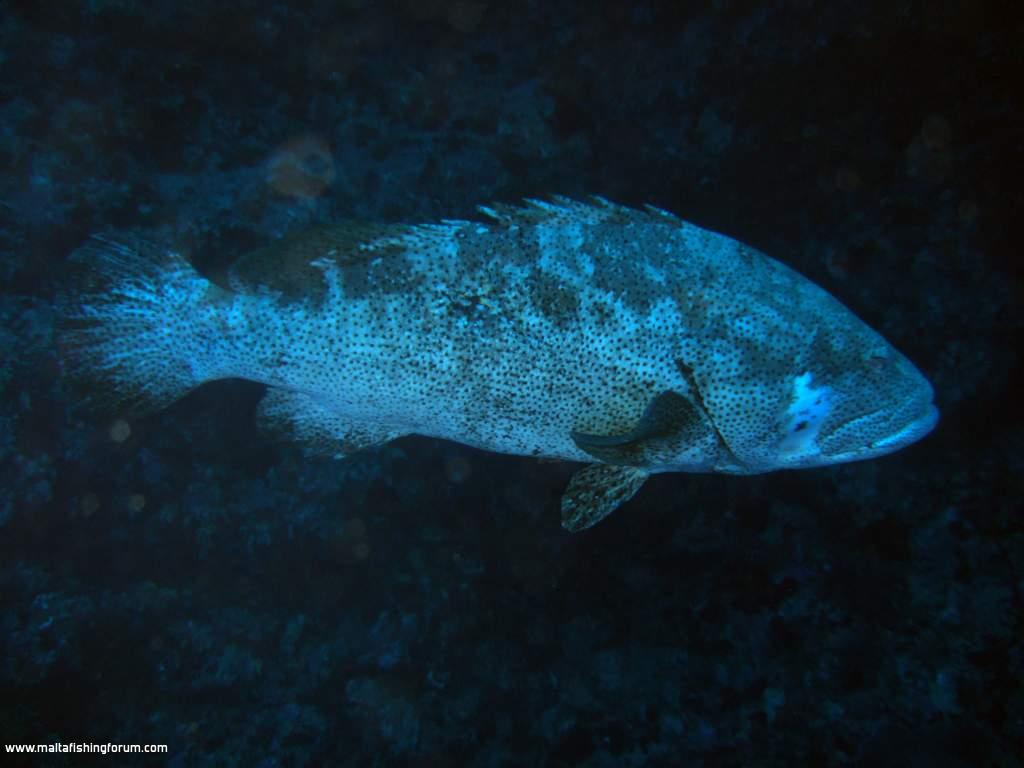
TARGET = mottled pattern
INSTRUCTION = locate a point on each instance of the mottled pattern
(579, 331)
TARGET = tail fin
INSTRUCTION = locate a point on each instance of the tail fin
(136, 322)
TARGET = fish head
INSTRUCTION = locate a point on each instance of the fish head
(864, 411)
(813, 387)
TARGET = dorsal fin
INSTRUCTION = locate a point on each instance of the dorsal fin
(534, 211)
(286, 265)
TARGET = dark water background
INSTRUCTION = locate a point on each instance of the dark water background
(181, 578)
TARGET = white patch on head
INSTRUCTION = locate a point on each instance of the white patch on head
(807, 411)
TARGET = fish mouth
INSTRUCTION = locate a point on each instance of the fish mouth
(909, 423)
(913, 431)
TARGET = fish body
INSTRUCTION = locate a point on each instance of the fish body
(627, 339)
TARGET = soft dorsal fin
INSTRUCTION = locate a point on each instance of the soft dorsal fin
(669, 422)
(286, 265)
(596, 491)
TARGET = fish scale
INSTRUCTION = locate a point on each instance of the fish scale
(588, 331)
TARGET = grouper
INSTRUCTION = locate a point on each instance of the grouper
(591, 332)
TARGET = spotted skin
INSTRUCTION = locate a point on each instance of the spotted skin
(589, 332)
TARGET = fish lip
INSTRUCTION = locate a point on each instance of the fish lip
(924, 421)
(913, 431)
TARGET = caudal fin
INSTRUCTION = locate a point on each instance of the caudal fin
(136, 322)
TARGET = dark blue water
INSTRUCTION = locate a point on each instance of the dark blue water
(181, 578)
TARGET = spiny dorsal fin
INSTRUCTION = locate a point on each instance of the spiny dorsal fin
(596, 491)
(535, 211)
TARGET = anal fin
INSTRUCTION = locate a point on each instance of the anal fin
(320, 430)
(596, 491)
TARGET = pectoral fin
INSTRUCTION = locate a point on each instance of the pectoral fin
(595, 491)
(668, 424)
